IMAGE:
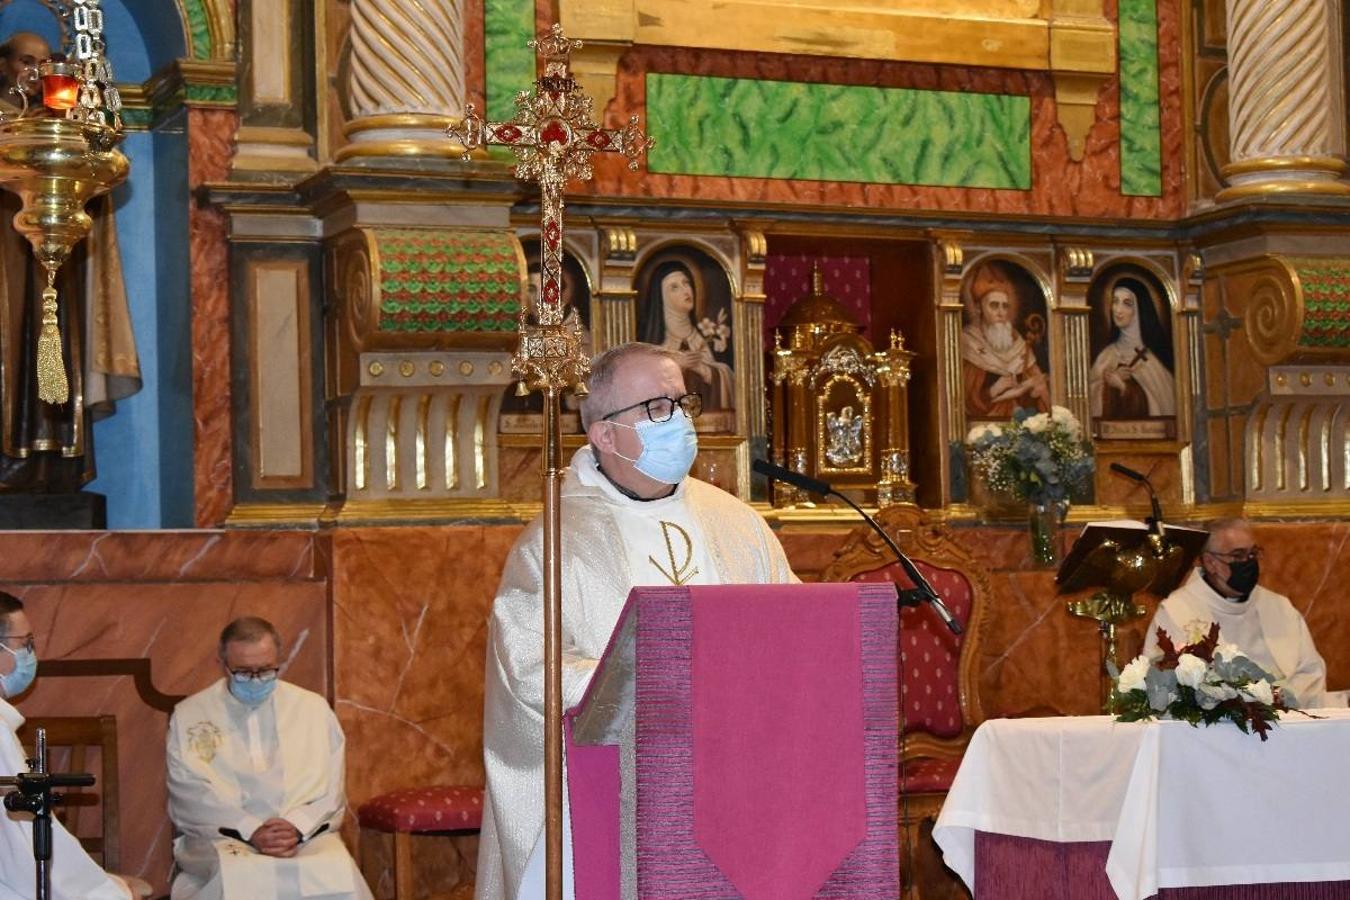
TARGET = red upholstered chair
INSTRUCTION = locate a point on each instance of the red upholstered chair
(941, 704)
(453, 810)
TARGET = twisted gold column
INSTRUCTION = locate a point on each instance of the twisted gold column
(1286, 107)
(407, 74)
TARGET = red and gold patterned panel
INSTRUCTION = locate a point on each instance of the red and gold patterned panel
(930, 655)
(929, 776)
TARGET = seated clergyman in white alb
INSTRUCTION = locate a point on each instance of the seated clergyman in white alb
(631, 515)
(1264, 625)
(256, 783)
(74, 876)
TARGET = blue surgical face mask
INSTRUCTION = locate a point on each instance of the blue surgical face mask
(251, 691)
(25, 670)
(668, 448)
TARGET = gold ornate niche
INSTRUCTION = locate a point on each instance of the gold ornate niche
(840, 408)
(1070, 39)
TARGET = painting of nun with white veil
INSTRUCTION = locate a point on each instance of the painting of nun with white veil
(1132, 377)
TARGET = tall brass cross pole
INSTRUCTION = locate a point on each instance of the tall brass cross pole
(553, 138)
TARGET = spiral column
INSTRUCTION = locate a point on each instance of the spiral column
(1286, 107)
(406, 81)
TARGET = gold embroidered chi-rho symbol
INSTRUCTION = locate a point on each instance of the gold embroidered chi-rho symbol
(680, 572)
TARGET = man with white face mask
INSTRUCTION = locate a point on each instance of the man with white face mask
(631, 516)
(74, 875)
(256, 768)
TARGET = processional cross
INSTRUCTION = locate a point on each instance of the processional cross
(553, 138)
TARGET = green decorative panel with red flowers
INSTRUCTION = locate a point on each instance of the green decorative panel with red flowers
(1326, 302)
(446, 280)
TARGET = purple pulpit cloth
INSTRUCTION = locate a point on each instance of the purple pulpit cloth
(765, 747)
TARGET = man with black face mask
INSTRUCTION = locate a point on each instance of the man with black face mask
(1264, 625)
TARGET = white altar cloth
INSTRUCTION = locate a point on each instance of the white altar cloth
(1182, 806)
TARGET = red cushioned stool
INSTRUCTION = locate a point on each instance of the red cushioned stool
(453, 810)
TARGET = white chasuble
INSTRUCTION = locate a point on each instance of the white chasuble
(74, 875)
(231, 768)
(610, 544)
(1266, 628)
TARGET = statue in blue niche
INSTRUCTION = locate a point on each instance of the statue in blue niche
(46, 449)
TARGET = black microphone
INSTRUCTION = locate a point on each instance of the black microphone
(1156, 523)
(922, 591)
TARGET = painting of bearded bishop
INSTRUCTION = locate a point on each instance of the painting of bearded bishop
(1004, 353)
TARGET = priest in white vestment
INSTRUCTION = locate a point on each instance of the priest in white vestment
(256, 791)
(74, 876)
(1264, 625)
(631, 516)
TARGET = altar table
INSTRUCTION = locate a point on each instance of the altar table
(1180, 807)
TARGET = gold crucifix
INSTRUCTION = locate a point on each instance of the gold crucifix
(553, 139)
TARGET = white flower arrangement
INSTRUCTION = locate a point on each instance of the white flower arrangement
(1037, 457)
(1202, 682)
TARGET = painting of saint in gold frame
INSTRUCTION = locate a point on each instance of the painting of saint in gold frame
(520, 414)
(1132, 385)
(1005, 349)
(684, 305)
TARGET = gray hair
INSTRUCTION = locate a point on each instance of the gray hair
(603, 383)
(248, 630)
(1228, 523)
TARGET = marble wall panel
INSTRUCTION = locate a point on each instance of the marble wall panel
(410, 612)
(394, 628)
(91, 556)
(210, 146)
(162, 596)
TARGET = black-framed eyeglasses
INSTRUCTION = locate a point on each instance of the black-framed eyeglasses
(1240, 555)
(268, 674)
(28, 641)
(660, 409)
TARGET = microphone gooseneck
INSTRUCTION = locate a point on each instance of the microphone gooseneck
(922, 590)
(1155, 523)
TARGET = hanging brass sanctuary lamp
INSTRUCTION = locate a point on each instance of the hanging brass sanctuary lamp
(58, 156)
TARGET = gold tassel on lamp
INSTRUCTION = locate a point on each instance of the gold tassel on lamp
(51, 368)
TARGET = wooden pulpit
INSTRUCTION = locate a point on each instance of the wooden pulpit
(740, 741)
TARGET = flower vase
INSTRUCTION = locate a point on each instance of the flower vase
(1043, 522)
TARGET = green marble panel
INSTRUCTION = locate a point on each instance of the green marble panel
(830, 132)
(1140, 114)
(508, 25)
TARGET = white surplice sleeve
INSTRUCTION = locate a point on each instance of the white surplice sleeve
(516, 631)
(327, 808)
